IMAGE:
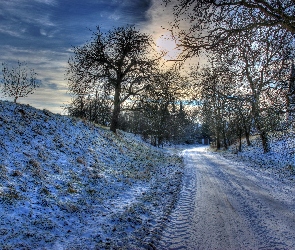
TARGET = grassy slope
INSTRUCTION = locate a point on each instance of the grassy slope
(69, 184)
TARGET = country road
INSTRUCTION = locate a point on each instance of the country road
(227, 205)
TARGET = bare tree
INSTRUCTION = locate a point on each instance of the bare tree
(19, 81)
(120, 60)
(212, 22)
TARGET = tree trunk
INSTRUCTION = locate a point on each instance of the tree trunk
(224, 136)
(247, 134)
(262, 132)
(81, 111)
(225, 143)
(218, 144)
(240, 140)
(263, 136)
(264, 139)
(116, 111)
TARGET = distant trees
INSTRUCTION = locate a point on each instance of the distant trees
(225, 117)
(95, 106)
(161, 116)
(116, 66)
(212, 87)
(19, 81)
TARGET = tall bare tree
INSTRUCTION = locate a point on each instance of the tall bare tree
(120, 60)
(264, 67)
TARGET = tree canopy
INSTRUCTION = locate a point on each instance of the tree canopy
(119, 62)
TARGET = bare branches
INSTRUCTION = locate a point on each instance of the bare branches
(211, 23)
(19, 81)
(251, 71)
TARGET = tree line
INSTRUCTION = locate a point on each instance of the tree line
(246, 87)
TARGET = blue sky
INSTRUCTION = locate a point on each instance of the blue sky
(42, 33)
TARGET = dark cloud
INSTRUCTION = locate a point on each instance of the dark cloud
(60, 24)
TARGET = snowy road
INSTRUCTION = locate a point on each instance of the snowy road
(226, 205)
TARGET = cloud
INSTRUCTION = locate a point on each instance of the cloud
(115, 17)
(24, 22)
(24, 12)
(53, 86)
(48, 2)
(43, 32)
(137, 10)
(16, 33)
(160, 17)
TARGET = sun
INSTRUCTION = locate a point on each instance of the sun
(167, 45)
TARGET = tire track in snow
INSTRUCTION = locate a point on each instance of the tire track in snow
(182, 215)
(223, 205)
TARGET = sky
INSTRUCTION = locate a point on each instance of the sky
(42, 33)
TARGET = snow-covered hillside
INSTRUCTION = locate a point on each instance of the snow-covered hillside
(68, 184)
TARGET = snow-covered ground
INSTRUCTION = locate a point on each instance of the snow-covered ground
(279, 162)
(231, 203)
(68, 184)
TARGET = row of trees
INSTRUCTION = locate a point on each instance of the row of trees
(251, 47)
(247, 85)
(116, 80)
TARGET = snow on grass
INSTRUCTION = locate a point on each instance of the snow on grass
(69, 184)
(280, 161)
